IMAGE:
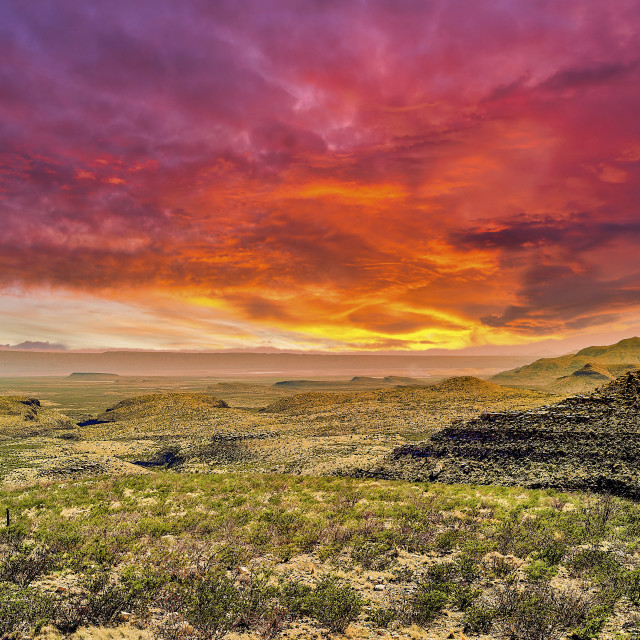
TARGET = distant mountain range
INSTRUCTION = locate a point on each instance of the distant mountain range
(576, 373)
(278, 366)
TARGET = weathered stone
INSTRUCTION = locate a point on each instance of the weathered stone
(586, 442)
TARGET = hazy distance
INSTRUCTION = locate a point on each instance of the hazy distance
(250, 365)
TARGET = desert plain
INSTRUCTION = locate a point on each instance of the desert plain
(497, 505)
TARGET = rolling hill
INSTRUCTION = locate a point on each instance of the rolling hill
(172, 412)
(570, 373)
(22, 417)
(460, 388)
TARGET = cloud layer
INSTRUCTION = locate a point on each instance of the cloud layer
(336, 175)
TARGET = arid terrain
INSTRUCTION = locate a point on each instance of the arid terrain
(89, 424)
(186, 507)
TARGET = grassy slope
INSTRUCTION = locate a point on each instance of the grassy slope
(22, 416)
(545, 372)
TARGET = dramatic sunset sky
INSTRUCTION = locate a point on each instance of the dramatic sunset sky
(331, 175)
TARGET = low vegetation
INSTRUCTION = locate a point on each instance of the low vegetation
(187, 512)
(204, 555)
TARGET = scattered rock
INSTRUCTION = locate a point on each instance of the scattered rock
(587, 442)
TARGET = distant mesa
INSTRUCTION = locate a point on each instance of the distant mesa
(34, 345)
(80, 375)
(403, 380)
(370, 382)
(387, 381)
(326, 385)
(586, 442)
(296, 384)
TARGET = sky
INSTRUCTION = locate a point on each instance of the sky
(320, 175)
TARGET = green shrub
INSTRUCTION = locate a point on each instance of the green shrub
(447, 540)
(595, 621)
(631, 582)
(597, 564)
(23, 609)
(214, 606)
(14, 534)
(105, 599)
(426, 604)
(463, 596)
(553, 553)
(538, 613)
(262, 608)
(232, 556)
(334, 604)
(467, 567)
(442, 575)
(372, 555)
(540, 570)
(597, 512)
(24, 564)
(61, 537)
(294, 596)
(97, 551)
(67, 616)
(331, 602)
(141, 584)
(529, 616)
(478, 619)
(382, 618)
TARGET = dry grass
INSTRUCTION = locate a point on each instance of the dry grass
(307, 433)
(122, 632)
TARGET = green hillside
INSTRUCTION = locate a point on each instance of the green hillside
(573, 373)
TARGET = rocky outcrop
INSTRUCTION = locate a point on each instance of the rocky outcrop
(585, 442)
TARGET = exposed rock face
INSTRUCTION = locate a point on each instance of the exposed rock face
(586, 442)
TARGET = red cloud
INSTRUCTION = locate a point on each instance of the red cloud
(388, 173)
